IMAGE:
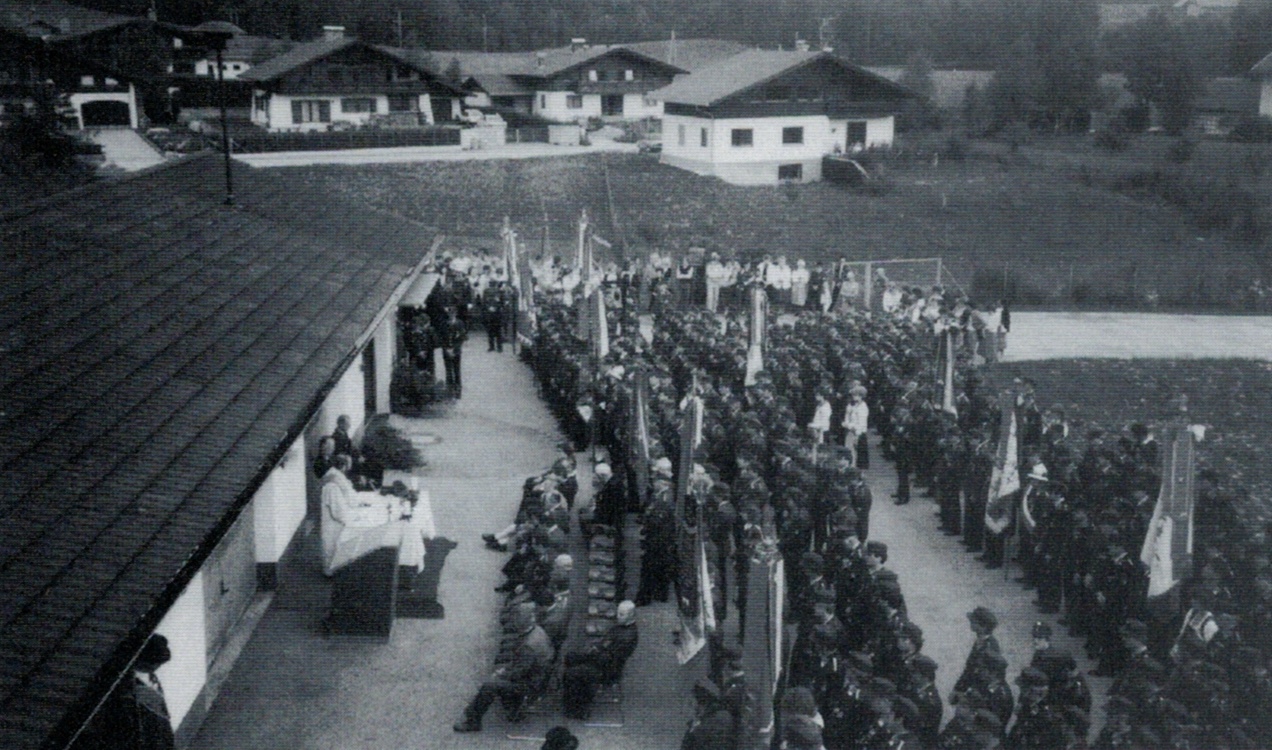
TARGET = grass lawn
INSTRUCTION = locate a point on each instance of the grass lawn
(1232, 397)
(1055, 241)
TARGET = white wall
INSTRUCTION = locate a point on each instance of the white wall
(233, 68)
(1265, 98)
(184, 676)
(385, 356)
(347, 397)
(279, 505)
(78, 100)
(634, 107)
(279, 117)
(552, 105)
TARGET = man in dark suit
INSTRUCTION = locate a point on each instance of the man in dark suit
(982, 623)
(136, 714)
(453, 335)
(600, 664)
(512, 682)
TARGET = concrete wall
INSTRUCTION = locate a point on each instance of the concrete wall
(184, 676)
(635, 107)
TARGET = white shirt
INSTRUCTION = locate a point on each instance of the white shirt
(821, 417)
(800, 276)
(857, 417)
(891, 300)
(717, 274)
(778, 276)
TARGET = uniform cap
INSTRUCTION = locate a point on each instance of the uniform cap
(1042, 630)
(877, 548)
(983, 617)
(924, 665)
(154, 654)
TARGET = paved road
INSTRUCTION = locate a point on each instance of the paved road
(1052, 335)
(412, 154)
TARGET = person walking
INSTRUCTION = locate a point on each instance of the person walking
(454, 334)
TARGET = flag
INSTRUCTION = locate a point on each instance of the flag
(599, 323)
(947, 347)
(1167, 549)
(689, 556)
(1005, 479)
(641, 421)
(756, 333)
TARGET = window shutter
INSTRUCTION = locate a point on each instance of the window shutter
(324, 111)
(298, 113)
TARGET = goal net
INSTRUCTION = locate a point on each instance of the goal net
(865, 280)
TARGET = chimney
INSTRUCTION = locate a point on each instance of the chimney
(801, 45)
(333, 33)
(578, 43)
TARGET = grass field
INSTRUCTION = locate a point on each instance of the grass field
(1232, 397)
(1050, 239)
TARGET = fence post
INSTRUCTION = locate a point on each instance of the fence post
(869, 300)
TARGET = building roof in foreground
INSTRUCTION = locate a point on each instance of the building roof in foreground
(57, 20)
(161, 353)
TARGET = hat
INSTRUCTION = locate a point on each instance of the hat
(663, 466)
(877, 548)
(603, 470)
(1031, 678)
(802, 733)
(859, 391)
(1042, 630)
(812, 562)
(626, 613)
(1038, 471)
(924, 665)
(559, 738)
(914, 633)
(154, 654)
(983, 617)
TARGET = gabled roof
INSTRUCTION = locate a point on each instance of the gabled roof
(295, 58)
(690, 54)
(58, 20)
(255, 49)
(1236, 96)
(161, 353)
(724, 78)
(1262, 67)
(551, 62)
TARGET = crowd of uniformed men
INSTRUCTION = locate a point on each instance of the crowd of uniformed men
(858, 677)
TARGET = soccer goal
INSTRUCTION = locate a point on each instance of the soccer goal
(865, 280)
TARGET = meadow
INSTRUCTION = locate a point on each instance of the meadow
(1038, 225)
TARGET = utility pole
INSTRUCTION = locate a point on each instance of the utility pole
(485, 34)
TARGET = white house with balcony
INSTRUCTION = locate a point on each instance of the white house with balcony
(765, 116)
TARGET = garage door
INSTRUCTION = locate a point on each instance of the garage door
(104, 114)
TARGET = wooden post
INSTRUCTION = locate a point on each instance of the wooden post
(869, 287)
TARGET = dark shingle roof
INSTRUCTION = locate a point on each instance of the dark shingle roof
(297, 57)
(690, 54)
(59, 20)
(161, 351)
(724, 78)
(1237, 96)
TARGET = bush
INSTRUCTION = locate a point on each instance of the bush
(1112, 139)
(954, 149)
(1252, 130)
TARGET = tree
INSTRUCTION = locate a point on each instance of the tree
(1012, 94)
(919, 113)
(1064, 40)
(1160, 71)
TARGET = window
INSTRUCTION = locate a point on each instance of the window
(629, 75)
(404, 103)
(702, 137)
(792, 135)
(649, 101)
(310, 110)
(357, 105)
(680, 134)
(856, 135)
(86, 81)
(743, 137)
(262, 103)
(574, 101)
(592, 75)
(793, 172)
(543, 101)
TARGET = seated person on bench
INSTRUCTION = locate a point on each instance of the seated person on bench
(600, 664)
(512, 682)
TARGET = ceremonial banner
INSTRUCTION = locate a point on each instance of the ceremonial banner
(757, 333)
(1005, 479)
(762, 646)
(689, 584)
(599, 323)
(1168, 545)
(947, 356)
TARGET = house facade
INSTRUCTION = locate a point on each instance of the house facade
(763, 116)
(335, 83)
(566, 84)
